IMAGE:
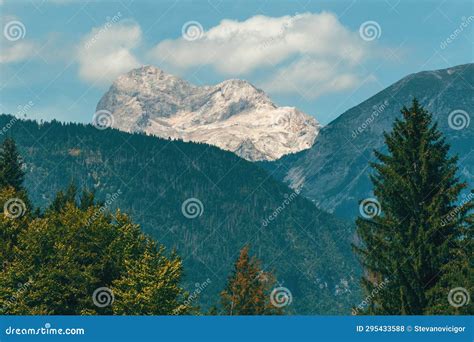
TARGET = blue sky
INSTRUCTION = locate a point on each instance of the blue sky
(57, 58)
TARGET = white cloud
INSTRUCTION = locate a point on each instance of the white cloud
(106, 52)
(13, 45)
(291, 43)
(313, 78)
(16, 52)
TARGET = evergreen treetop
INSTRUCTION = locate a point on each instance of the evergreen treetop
(11, 173)
(248, 288)
(421, 227)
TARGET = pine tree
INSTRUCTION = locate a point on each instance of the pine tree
(404, 248)
(248, 288)
(13, 200)
(151, 286)
(63, 198)
(11, 173)
(457, 275)
(13, 220)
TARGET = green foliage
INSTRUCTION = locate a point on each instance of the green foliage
(155, 176)
(248, 288)
(151, 286)
(63, 198)
(58, 260)
(421, 241)
(14, 219)
(11, 173)
(457, 276)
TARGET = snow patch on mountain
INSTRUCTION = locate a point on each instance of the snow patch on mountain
(232, 115)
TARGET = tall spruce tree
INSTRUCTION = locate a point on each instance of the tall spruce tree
(11, 173)
(13, 200)
(458, 272)
(420, 229)
(248, 288)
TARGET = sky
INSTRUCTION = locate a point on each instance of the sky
(58, 57)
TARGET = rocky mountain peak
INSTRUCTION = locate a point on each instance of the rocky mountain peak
(233, 115)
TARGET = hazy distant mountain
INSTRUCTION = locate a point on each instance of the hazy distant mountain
(233, 115)
(205, 202)
(334, 172)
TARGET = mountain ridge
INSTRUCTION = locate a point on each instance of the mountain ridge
(334, 172)
(151, 179)
(225, 115)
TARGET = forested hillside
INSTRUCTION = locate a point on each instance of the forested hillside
(334, 173)
(205, 202)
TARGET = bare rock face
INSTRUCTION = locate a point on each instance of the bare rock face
(232, 115)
